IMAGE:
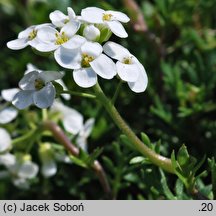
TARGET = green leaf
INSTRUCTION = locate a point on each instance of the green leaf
(146, 140)
(179, 188)
(183, 156)
(169, 195)
(136, 160)
(77, 161)
(93, 156)
(212, 166)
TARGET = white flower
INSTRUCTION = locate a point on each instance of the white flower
(31, 67)
(7, 159)
(91, 33)
(72, 119)
(22, 172)
(51, 39)
(59, 19)
(26, 37)
(37, 89)
(7, 112)
(49, 166)
(73, 123)
(5, 140)
(129, 68)
(110, 18)
(20, 168)
(88, 62)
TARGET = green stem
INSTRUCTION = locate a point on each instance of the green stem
(117, 92)
(78, 94)
(163, 162)
(25, 137)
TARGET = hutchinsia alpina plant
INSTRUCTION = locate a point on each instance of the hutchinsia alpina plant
(80, 44)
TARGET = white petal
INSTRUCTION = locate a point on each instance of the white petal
(7, 115)
(45, 97)
(7, 159)
(75, 42)
(85, 77)
(58, 18)
(28, 81)
(128, 72)
(68, 58)
(46, 47)
(17, 44)
(141, 83)
(70, 28)
(115, 50)
(89, 124)
(33, 43)
(30, 67)
(28, 170)
(117, 28)
(82, 143)
(65, 96)
(104, 67)
(119, 16)
(5, 140)
(8, 94)
(72, 121)
(71, 13)
(92, 48)
(92, 15)
(23, 99)
(25, 33)
(49, 168)
(47, 34)
(48, 76)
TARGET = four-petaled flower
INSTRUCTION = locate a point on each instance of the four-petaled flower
(88, 62)
(129, 68)
(110, 18)
(51, 39)
(59, 19)
(37, 89)
(27, 37)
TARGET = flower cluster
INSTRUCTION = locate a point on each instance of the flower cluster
(77, 44)
(19, 166)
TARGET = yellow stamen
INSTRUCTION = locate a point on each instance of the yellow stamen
(32, 34)
(61, 38)
(127, 60)
(107, 17)
(39, 84)
(86, 59)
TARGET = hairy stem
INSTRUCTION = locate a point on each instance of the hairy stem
(163, 162)
(63, 139)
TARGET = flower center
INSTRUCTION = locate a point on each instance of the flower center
(39, 84)
(86, 59)
(127, 60)
(61, 38)
(32, 34)
(107, 17)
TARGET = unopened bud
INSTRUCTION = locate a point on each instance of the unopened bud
(91, 33)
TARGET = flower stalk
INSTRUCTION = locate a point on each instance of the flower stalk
(60, 136)
(161, 161)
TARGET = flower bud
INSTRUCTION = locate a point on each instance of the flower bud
(91, 33)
